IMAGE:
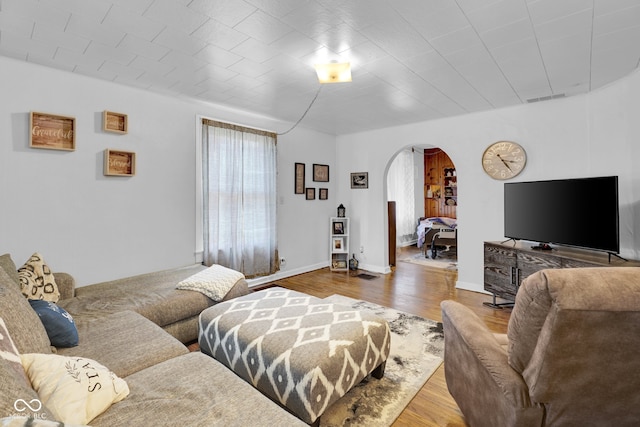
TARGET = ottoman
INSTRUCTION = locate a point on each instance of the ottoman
(302, 352)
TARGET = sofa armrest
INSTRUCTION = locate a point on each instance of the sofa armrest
(66, 285)
(488, 391)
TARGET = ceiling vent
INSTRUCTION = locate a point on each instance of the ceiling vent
(546, 98)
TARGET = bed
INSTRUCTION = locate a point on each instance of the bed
(437, 235)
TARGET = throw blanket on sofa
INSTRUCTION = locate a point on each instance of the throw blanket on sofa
(213, 282)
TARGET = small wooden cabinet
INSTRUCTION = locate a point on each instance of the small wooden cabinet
(507, 264)
(339, 244)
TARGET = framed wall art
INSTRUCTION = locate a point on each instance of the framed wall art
(52, 131)
(360, 180)
(119, 163)
(114, 122)
(311, 193)
(323, 194)
(338, 244)
(320, 173)
(338, 227)
(298, 182)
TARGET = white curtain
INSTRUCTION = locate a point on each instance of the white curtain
(239, 172)
(401, 189)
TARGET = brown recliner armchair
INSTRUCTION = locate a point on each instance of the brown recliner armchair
(571, 355)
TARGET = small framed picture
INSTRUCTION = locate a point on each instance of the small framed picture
(338, 244)
(299, 178)
(323, 194)
(311, 193)
(338, 227)
(320, 173)
(360, 180)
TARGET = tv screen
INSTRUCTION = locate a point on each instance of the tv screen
(581, 212)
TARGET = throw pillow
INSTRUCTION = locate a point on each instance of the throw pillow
(37, 281)
(59, 324)
(74, 389)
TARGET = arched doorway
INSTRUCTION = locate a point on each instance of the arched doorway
(429, 175)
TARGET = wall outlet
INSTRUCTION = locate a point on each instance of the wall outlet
(283, 261)
(361, 249)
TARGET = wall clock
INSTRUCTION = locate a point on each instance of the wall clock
(504, 160)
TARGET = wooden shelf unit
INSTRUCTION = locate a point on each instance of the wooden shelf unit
(440, 184)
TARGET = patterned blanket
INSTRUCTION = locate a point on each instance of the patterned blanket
(213, 282)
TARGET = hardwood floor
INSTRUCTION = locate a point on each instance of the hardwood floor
(415, 289)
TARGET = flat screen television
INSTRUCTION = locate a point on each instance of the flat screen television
(580, 212)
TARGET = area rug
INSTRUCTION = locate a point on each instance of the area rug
(417, 347)
(444, 262)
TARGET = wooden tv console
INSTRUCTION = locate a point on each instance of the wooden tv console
(507, 264)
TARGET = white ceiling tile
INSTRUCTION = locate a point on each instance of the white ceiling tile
(219, 34)
(458, 40)
(263, 27)
(312, 21)
(109, 53)
(183, 61)
(123, 19)
(135, 6)
(177, 40)
(94, 30)
(397, 37)
(217, 56)
(157, 81)
(294, 43)
(122, 72)
(510, 33)
(279, 8)
(577, 24)
(228, 12)
(497, 14)
(152, 67)
(36, 11)
(364, 53)
(432, 22)
(255, 50)
(94, 10)
(45, 33)
(139, 46)
(179, 17)
(15, 24)
(548, 10)
(18, 43)
(249, 68)
(603, 7)
(618, 20)
(340, 37)
(49, 62)
(78, 59)
(91, 72)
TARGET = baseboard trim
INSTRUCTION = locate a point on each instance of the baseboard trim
(283, 274)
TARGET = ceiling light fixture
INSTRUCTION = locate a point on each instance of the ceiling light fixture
(334, 72)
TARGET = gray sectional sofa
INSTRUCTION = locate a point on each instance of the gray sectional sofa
(135, 327)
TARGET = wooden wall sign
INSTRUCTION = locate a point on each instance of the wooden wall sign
(119, 163)
(52, 131)
(114, 122)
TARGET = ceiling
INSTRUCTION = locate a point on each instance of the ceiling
(412, 60)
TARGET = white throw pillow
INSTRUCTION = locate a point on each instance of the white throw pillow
(74, 389)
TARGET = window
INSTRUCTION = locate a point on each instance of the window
(239, 203)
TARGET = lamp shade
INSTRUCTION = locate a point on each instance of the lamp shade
(334, 72)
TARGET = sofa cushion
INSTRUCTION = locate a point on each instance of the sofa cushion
(205, 393)
(74, 389)
(7, 264)
(27, 330)
(125, 341)
(153, 295)
(11, 355)
(37, 281)
(59, 324)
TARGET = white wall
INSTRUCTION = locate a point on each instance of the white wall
(581, 136)
(100, 228)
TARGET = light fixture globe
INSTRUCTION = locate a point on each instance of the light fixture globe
(334, 72)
